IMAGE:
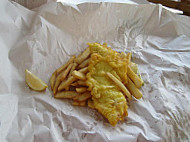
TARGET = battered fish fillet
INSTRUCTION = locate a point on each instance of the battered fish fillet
(107, 97)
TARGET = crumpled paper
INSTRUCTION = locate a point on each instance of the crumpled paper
(42, 39)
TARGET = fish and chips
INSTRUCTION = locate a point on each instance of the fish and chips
(99, 78)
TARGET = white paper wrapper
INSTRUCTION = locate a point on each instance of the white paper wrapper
(43, 39)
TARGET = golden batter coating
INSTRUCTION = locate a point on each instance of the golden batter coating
(108, 99)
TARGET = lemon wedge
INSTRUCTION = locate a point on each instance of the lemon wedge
(34, 82)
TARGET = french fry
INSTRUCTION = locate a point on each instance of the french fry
(60, 78)
(57, 82)
(120, 85)
(90, 103)
(66, 95)
(133, 89)
(81, 89)
(75, 103)
(116, 75)
(52, 80)
(134, 77)
(84, 70)
(139, 75)
(75, 84)
(134, 67)
(79, 75)
(59, 70)
(84, 63)
(83, 56)
(76, 97)
(129, 57)
(66, 83)
(72, 69)
(82, 97)
(66, 72)
(81, 82)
